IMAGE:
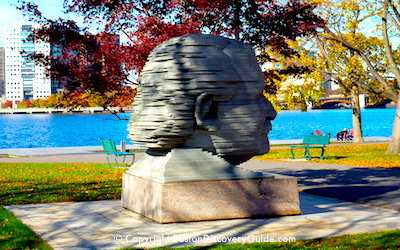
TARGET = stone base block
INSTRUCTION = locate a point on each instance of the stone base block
(210, 200)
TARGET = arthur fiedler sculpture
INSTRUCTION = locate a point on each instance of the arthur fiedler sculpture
(200, 111)
(203, 91)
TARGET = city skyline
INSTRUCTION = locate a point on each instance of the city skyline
(24, 79)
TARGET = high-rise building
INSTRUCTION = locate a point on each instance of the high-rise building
(2, 72)
(24, 79)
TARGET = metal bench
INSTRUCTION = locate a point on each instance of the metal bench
(312, 141)
(110, 149)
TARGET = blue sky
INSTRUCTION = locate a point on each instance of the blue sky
(9, 15)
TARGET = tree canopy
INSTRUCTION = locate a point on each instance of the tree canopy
(360, 43)
(98, 62)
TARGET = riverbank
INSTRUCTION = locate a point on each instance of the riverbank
(87, 150)
(89, 110)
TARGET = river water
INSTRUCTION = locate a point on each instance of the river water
(70, 130)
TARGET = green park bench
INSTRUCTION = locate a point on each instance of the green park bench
(110, 149)
(312, 141)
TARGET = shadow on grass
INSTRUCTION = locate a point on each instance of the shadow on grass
(335, 157)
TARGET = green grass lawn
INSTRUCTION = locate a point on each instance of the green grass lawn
(371, 155)
(25, 183)
(22, 183)
(16, 235)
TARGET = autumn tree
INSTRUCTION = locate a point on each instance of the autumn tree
(80, 61)
(347, 18)
(87, 98)
(378, 62)
(29, 104)
(22, 105)
(51, 101)
(349, 71)
(298, 89)
(42, 103)
(332, 62)
(8, 104)
(148, 23)
(298, 81)
(346, 21)
(265, 25)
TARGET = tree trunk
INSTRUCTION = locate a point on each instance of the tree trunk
(356, 116)
(394, 145)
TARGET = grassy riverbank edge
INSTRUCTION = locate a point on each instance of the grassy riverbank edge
(366, 155)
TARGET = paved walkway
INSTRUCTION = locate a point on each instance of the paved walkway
(106, 225)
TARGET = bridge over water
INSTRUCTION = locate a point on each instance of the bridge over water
(334, 102)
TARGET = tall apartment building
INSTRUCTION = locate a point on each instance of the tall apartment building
(24, 79)
(2, 72)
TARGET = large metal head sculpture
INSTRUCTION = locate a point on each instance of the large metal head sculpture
(202, 91)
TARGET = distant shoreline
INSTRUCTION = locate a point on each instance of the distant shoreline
(91, 110)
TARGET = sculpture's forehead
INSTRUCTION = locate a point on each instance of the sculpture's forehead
(197, 47)
(203, 62)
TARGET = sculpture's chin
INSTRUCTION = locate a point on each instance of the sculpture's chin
(240, 158)
(264, 149)
(237, 159)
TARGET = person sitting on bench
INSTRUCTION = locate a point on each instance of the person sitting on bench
(342, 135)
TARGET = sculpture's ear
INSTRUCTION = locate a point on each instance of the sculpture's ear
(206, 112)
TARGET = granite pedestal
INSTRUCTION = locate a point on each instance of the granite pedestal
(193, 185)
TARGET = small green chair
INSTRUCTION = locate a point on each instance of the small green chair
(110, 149)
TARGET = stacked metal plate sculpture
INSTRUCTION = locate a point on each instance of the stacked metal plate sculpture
(200, 111)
